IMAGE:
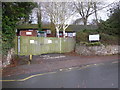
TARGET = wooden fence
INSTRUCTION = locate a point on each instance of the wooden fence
(26, 45)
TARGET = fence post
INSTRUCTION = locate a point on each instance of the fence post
(30, 59)
(18, 51)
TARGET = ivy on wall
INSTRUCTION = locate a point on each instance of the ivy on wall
(12, 13)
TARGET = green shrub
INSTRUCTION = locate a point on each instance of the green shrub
(94, 44)
(108, 39)
(83, 43)
(89, 31)
(90, 43)
(82, 37)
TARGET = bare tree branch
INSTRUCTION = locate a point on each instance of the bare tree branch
(85, 9)
(60, 13)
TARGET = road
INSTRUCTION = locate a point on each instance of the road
(90, 76)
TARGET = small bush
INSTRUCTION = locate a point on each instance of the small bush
(94, 44)
(83, 43)
(90, 43)
(89, 31)
(82, 36)
(108, 39)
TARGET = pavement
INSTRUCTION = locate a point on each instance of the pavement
(52, 62)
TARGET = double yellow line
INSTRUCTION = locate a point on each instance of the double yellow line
(28, 77)
(69, 69)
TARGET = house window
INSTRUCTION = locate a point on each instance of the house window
(65, 34)
(70, 34)
(42, 35)
(48, 31)
(30, 30)
(74, 34)
(28, 33)
(60, 34)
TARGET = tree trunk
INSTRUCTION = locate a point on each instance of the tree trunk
(85, 21)
(57, 32)
(39, 17)
(63, 33)
(52, 27)
(95, 7)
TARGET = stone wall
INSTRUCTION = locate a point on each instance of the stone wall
(7, 60)
(97, 50)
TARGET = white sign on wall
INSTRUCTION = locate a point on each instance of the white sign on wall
(28, 33)
(65, 34)
(32, 41)
(95, 37)
(49, 41)
(70, 34)
(74, 34)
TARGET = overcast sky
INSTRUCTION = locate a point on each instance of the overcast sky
(102, 14)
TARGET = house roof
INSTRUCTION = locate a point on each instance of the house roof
(70, 28)
(27, 26)
(31, 26)
(68, 31)
(82, 27)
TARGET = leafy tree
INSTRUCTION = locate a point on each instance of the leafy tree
(115, 18)
(112, 25)
(12, 13)
(0, 28)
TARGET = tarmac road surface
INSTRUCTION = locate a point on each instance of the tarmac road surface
(91, 76)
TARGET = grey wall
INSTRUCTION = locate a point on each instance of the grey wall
(97, 50)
